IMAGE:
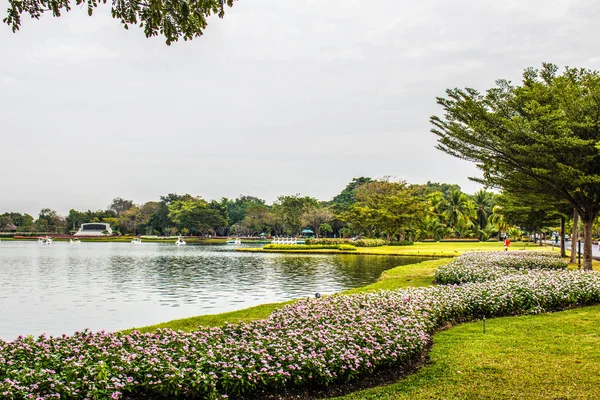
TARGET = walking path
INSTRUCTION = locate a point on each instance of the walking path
(595, 250)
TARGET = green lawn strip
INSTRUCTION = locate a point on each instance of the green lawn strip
(420, 249)
(420, 274)
(548, 356)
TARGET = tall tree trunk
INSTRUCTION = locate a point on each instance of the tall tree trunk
(574, 237)
(563, 253)
(587, 244)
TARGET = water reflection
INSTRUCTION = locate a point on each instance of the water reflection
(62, 288)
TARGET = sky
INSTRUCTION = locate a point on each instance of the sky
(279, 97)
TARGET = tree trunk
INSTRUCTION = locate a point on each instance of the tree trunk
(563, 253)
(587, 244)
(574, 237)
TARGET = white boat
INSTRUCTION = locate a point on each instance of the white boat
(45, 241)
(234, 241)
(74, 241)
(180, 241)
(136, 241)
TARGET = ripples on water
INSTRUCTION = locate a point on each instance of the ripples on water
(62, 288)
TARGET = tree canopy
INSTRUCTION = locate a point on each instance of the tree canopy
(174, 19)
(541, 137)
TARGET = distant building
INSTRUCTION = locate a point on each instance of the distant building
(94, 229)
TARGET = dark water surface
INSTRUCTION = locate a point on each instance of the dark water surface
(62, 288)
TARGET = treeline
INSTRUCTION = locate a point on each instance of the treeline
(378, 208)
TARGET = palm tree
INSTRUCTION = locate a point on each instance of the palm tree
(484, 201)
(497, 218)
(456, 207)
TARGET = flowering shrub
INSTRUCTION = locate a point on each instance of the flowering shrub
(370, 242)
(480, 267)
(328, 241)
(346, 247)
(315, 341)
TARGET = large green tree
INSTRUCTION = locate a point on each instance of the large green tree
(541, 136)
(174, 19)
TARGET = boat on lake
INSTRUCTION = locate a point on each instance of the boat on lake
(180, 241)
(234, 241)
(46, 241)
(74, 241)
(136, 241)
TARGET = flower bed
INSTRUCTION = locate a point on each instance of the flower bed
(481, 267)
(311, 342)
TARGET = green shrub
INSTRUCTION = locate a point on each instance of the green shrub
(492, 240)
(328, 241)
(401, 243)
(370, 242)
(346, 247)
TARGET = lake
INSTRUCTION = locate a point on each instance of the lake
(62, 288)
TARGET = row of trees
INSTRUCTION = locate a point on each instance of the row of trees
(387, 208)
(539, 142)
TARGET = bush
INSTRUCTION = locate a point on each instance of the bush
(492, 240)
(309, 343)
(370, 242)
(401, 243)
(346, 247)
(328, 241)
(481, 267)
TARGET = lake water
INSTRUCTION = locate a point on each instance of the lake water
(63, 288)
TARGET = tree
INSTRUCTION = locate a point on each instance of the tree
(174, 19)
(484, 202)
(50, 221)
(290, 210)
(457, 209)
(386, 207)
(347, 196)
(120, 205)
(195, 215)
(315, 217)
(541, 136)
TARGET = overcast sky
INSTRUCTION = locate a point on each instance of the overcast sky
(279, 97)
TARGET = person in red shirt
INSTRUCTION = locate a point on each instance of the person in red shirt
(506, 243)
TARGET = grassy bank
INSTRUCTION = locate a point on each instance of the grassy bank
(420, 249)
(548, 356)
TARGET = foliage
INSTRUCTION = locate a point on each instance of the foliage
(540, 137)
(314, 217)
(195, 215)
(346, 247)
(385, 207)
(370, 242)
(174, 19)
(312, 342)
(328, 241)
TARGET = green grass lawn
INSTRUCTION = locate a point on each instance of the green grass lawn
(548, 356)
(423, 249)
